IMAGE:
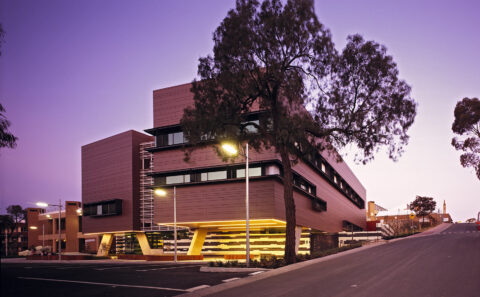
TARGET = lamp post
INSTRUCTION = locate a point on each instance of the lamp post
(161, 192)
(43, 204)
(231, 150)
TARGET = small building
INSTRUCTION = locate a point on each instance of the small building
(43, 229)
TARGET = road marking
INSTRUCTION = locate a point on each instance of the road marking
(103, 284)
(167, 268)
(146, 267)
(197, 288)
(256, 272)
(230, 279)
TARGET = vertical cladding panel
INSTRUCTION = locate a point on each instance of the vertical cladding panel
(71, 226)
(108, 172)
(213, 202)
(174, 159)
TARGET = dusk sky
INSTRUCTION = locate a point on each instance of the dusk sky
(73, 72)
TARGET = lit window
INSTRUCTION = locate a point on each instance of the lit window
(175, 179)
(252, 172)
(335, 179)
(272, 170)
(204, 176)
(323, 168)
(216, 175)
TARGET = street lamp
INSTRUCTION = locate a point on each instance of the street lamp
(232, 151)
(163, 193)
(59, 205)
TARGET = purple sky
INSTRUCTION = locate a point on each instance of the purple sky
(72, 72)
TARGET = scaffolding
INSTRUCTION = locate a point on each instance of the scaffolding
(147, 203)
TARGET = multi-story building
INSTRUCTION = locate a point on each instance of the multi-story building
(43, 229)
(119, 174)
(14, 241)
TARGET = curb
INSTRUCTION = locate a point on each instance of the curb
(230, 269)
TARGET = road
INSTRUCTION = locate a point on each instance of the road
(443, 264)
(105, 279)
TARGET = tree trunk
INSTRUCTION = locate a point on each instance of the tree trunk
(290, 256)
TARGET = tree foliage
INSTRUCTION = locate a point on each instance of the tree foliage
(7, 139)
(467, 125)
(281, 60)
(423, 206)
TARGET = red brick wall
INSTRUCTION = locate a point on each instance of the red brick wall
(110, 170)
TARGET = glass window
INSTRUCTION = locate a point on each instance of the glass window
(272, 170)
(252, 128)
(323, 168)
(252, 172)
(203, 176)
(178, 138)
(335, 179)
(216, 175)
(175, 179)
(99, 209)
(146, 163)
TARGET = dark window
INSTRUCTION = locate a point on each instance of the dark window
(103, 208)
(146, 163)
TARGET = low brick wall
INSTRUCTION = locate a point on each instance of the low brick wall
(64, 257)
(321, 242)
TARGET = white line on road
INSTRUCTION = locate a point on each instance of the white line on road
(230, 279)
(197, 288)
(256, 272)
(102, 284)
(167, 268)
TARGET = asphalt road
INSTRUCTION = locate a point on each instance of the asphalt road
(104, 279)
(442, 264)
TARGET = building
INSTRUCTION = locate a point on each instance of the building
(120, 172)
(14, 241)
(43, 229)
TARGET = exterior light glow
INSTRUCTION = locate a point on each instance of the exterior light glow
(42, 204)
(160, 192)
(79, 211)
(33, 227)
(230, 149)
(49, 216)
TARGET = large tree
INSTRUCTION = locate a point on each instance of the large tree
(281, 60)
(423, 206)
(467, 125)
(7, 139)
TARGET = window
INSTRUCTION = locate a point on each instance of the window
(146, 163)
(169, 139)
(323, 168)
(272, 170)
(252, 172)
(103, 208)
(216, 175)
(175, 138)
